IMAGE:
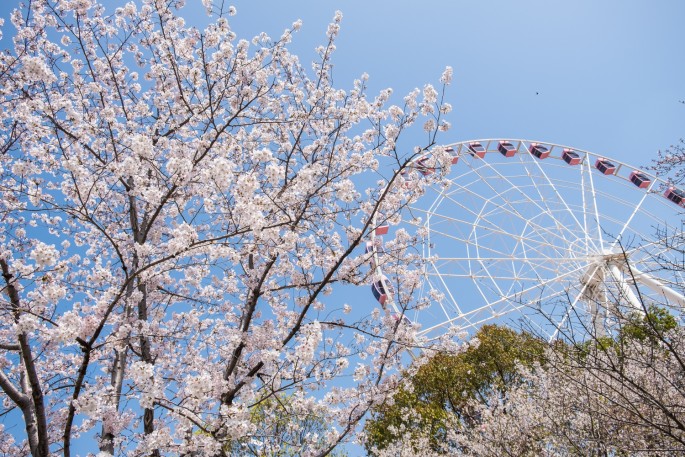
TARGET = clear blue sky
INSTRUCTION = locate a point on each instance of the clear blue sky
(609, 73)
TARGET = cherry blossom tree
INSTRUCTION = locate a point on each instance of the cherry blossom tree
(671, 162)
(620, 395)
(178, 206)
(606, 396)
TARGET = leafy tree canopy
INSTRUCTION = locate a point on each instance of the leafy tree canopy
(442, 389)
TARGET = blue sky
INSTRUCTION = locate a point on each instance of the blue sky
(608, 73)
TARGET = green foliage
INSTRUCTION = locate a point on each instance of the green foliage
(440, 391)
(440, 396)
(652, 326)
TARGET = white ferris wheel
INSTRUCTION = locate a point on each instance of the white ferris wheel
(537, 231)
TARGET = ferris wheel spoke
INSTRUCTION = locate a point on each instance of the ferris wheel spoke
(472, 242)
(583, 193)
(546, 231)
(628, 221)
(555, 189)
(518, 270)
(484, 296)
(481, 315)
(501, 255)
(659, 243)
(502, 264)
(449, 294)
(542, 284)
(542, 198)
(572, 306)
(593, 194)
(465, 242)
(523, 194)
(550, 235)
(485, 276)
(494, 282)
(508, 258)
(442, 216)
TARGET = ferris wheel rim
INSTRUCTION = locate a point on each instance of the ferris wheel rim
(459, 149)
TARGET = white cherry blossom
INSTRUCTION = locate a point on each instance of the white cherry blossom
(181, 211)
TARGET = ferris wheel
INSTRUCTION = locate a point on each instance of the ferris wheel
(537, 231)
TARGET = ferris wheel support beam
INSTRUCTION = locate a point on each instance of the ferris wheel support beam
(671, 296)
(595, 296)
(597, 319)
(625, 289)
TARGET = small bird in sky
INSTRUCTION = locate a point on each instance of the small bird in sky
(537, 93)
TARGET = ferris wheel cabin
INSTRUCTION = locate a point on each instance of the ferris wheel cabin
(408, 178)
(605, 167)
(570, 157)
(382, 229)
(453, 153)
(507, 149)
(423, 167)
(477, 150)
(677, 196)
(539, 151)
(640, 179)
(381, 292)
(403, 317)
(375, 246)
